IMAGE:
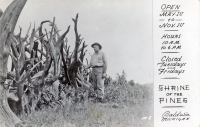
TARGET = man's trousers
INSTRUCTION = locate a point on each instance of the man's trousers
(98, 81)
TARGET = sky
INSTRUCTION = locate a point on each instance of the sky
(123, 28)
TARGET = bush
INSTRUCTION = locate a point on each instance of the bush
(131, 82)
(120, 91)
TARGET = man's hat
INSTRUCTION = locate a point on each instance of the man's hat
(97, 44)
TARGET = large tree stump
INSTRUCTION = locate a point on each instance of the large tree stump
(8, 21)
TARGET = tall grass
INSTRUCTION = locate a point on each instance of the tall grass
(125, 105)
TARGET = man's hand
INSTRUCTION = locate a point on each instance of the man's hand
(104, 75)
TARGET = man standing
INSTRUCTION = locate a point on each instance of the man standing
(98, 63)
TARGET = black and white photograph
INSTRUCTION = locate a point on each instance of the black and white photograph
(113, 63)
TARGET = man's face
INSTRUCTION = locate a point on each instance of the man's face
(96, 48)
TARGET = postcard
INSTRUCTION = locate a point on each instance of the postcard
(72, 63)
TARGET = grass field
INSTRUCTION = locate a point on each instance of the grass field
(128, 105)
